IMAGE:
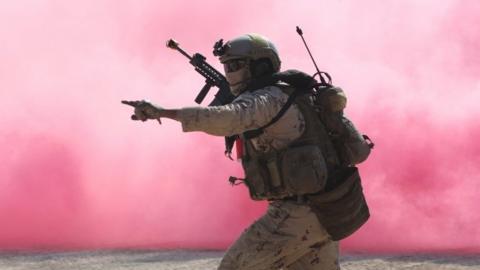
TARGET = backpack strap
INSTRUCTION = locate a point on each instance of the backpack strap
(229, 143)
(250, 134)
(302, 83)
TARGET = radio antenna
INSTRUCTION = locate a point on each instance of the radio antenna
(300, 32)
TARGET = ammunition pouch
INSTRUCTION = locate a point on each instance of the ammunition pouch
(341, 209)
(294, 171)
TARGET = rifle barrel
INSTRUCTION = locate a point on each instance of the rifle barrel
(172, 44)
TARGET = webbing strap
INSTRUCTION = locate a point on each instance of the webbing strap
(250, 134)
(229, 142)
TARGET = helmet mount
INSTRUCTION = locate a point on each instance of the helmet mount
(219, 48)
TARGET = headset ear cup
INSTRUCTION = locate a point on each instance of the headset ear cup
(261, 67)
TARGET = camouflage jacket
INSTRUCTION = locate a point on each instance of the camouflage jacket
(248, 111)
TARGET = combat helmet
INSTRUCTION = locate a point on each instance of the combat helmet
(245, 58)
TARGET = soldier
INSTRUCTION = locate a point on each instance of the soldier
(290, 162)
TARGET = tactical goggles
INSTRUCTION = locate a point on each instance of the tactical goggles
(234, 65)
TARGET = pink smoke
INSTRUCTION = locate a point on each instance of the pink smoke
(77, 173)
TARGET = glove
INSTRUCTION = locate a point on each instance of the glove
(144, 110)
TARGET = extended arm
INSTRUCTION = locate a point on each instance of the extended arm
(250, 111)
(145, 110)
(170, 114)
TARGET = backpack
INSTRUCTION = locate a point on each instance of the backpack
(340, 205)
(352, 147)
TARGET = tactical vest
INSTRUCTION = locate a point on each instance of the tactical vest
(299, 169)
(309, 167)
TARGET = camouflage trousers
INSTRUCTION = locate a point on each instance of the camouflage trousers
(288, 236)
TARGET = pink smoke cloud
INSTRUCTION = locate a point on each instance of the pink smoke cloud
(77, 173)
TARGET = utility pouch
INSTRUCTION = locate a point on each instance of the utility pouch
(355, 149)
(351, 147)
(274, 172)
(295, 171)
(256, 179)
(264, 180)
(343, 209)
(304, 170)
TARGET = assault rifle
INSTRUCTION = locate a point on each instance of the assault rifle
(212, 77)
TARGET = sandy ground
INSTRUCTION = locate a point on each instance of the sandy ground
(193, 260)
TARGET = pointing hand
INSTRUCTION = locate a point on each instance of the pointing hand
(144, 110)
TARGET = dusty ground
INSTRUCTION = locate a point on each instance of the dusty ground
(193, 260)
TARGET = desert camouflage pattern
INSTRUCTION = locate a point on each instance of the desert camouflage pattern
(248, 111)
(289, 235)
